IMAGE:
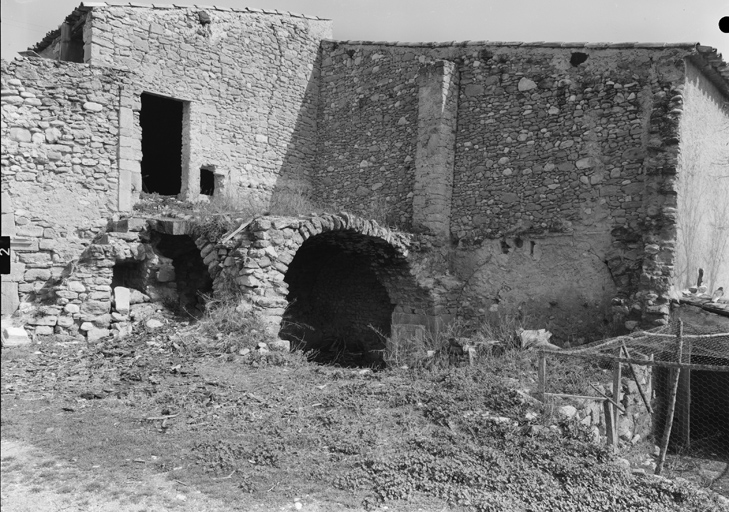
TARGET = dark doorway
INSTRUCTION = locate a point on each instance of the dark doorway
(161, 121)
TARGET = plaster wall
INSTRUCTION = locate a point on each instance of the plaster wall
(703, 185)
(249, 80)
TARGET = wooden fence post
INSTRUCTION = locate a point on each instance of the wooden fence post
(617, 389)
(542, 375)
(610, 433)
(671, 402)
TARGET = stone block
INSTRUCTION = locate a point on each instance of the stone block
(101, 320)
(17, 271)
(44, 320)
(6, 203)
(103, 295)
(65, 294)
(35, 258)
(30, 231)
(96, 307)
(72, 309)
(122, 297)
(125, 191)
(10, 300)
(65, 321)
(37, 274)
(7, 228)
(137, 297)
(44, 330)
(76, 286)
(14, 336)
(526, 85)
(142, 311)
(20, 134)
(95, 334)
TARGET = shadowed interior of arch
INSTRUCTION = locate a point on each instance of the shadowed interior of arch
(340, 309)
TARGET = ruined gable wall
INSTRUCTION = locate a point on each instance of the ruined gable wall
(703, 184)
(250, 79)
(548, 174)
(59, 165)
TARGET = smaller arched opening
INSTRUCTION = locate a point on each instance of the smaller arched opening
(341, 297)
(182, 273)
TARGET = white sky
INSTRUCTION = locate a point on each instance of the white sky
(25, 22)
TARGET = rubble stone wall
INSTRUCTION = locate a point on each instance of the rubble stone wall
(60, 179)
(259, 257)
(555, 144)
(249, 81)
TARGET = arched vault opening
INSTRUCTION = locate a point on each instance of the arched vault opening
(343, 287)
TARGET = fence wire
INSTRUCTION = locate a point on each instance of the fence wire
(677, 374)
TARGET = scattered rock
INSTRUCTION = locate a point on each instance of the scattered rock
(153, 323)
(122, 297)
(567, 411)
(95, 334)
(282, 345)
(14, 336)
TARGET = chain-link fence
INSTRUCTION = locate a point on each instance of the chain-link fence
(669, 384)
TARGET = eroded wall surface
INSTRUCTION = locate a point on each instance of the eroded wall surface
(60, 125)
(250, 80)
(566, 148)
(703, 185)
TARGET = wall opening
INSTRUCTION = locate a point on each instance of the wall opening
(173, 274)
(340, 310)
(72, 42)
(577, 58)
(207, 181)
(129, 274)
(161, 121)
(190, 280)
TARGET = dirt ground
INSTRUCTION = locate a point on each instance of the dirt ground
(145, 425)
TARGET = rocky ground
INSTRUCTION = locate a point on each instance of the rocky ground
(163, 420)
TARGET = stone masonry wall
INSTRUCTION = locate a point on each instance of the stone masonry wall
(552, 141)
(249, 80)
(60, 125)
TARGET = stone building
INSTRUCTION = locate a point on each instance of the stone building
(548, 180)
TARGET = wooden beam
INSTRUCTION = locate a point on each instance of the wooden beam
(637, 381)
(648, 362)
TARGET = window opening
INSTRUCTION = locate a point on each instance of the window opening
(207, 181)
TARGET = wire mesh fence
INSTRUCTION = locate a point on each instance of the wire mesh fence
(669, 384)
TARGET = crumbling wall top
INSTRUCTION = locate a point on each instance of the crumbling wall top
(79, 13)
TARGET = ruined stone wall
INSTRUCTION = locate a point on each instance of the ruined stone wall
(550, 152)
(249, 81)
(703, 185)
(60, 123)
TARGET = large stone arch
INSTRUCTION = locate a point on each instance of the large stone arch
(329, 279)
